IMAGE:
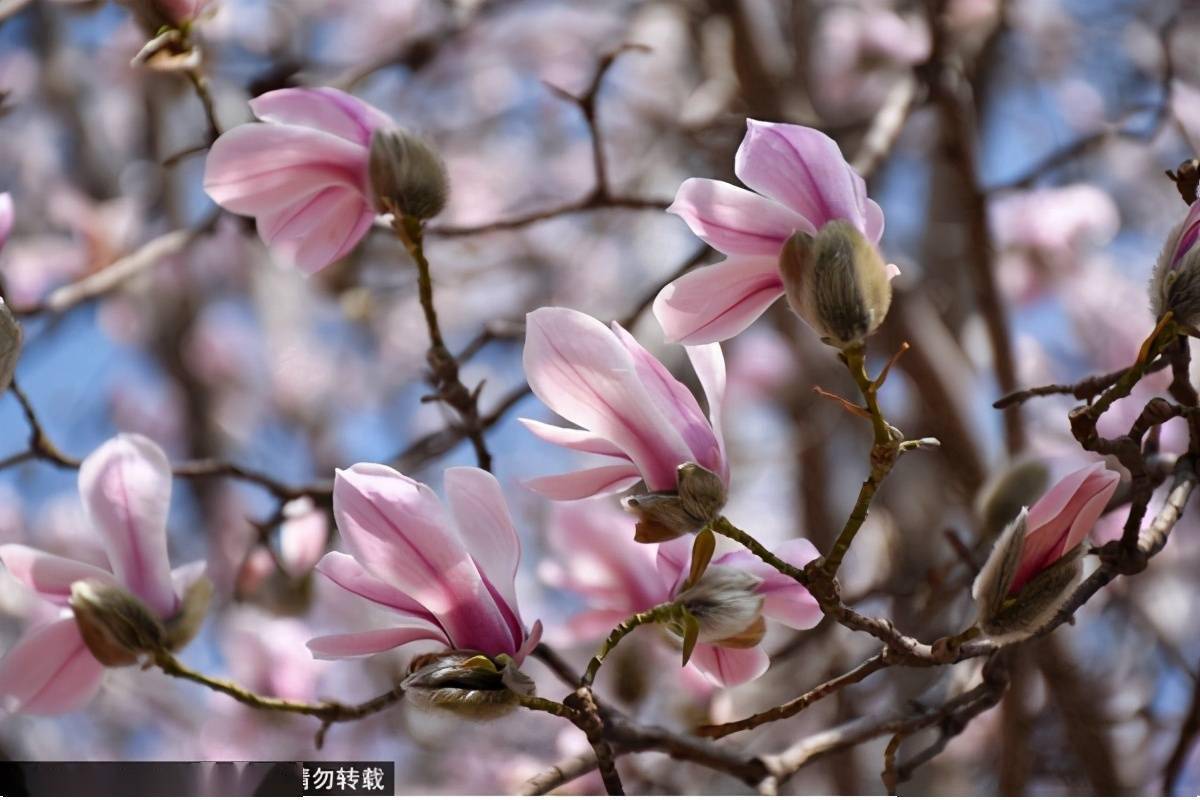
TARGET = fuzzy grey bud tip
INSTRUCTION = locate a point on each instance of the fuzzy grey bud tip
(466, 684)
(728, 607)
(116, 626)
(407, 175)
(836, 282)
(10, 345)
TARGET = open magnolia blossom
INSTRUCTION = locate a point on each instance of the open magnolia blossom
(597, 559)
(1175, 282)
(444, 577)
(630, 409)
(1035, 562)
(110, 617)
(312, 172)
(801, 183)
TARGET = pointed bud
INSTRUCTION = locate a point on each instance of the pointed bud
(116, 626)
(1175, 282)
(466, 684)
(699, 497)
(1004, 616)
(727, 605)
(837, 282)
(1007, 491)
(407, 175)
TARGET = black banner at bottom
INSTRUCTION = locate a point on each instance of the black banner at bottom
(196, 778)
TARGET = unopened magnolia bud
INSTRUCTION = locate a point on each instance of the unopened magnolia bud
(183, 627)
(698, 499)
(10, 345)
(727, 605)
(1007, 491)
(1177, 289)
(466, 684)
(837, 282)
(116, 626)
(407, 175)
(1004, 616)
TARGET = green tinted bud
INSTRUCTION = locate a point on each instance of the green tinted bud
(466, 684)
(10, 345)
(116, 626)
(727, 605)
(837, 282)
(1007, 491)
(407, 175)
(699, 497)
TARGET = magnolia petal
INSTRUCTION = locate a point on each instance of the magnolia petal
(802, 169)
(709, 365)
(343, 571)
(330, 110)
(531, 641)
(573, 438)
(735, 221)
(49, 575)
(368, 643)
(397, 528)
(726, 666)
(6, 217)
(580, 369)
(717, 302)
(323, 231)
(486, 528)
(585, 483)
(49, 671)
(126, 489)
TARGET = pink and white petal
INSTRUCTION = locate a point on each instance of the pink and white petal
(573, 438)
(674, 561)
(1099, 490)
(49, 671)
(326, 109)
(257, 168)
(709, 365)
(793, 606)
(368, 643)
(531, 641)
(126, 489)
(580, 369)
(343, 571)
(343, 221)
(487, 530)
(397, 528)
(676, 402)
(735, 221)
(593, 625)
(802, 169)
(874, 227)
(728, 666)
(49, 575)
(585, 483)
(717, 302)
(1189, 231)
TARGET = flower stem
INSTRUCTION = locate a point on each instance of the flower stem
(727, 529)
(664, 612)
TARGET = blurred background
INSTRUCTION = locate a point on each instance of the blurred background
(1017, 149)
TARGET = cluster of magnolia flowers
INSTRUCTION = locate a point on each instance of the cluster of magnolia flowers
(315, 173)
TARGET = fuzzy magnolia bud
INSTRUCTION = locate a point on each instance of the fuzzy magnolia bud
(698, 499)
(10, 345)
(1005, 616)
(183, 627)
(837, 282)
(466, 684)
(1007, 491)
(116, 626)
(1175, 282)
(726, 603)
(407, 175)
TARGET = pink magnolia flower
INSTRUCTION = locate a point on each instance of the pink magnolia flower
(125, 486)
(302, 172)
(802, 182)
(302, 536)
(446, 577)
(620, 577)
(1063, 518)
(630, 407)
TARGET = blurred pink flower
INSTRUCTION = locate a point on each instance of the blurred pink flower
(597, 558)
(449, 579)
(1063, 518)
(6, 217)
(126, 488)
(302, 536)
(301, 172)
(629, 406)
(802, 182)
(181, 11)
(1185, 105)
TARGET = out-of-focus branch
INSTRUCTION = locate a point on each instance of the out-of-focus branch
(1086, 389)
